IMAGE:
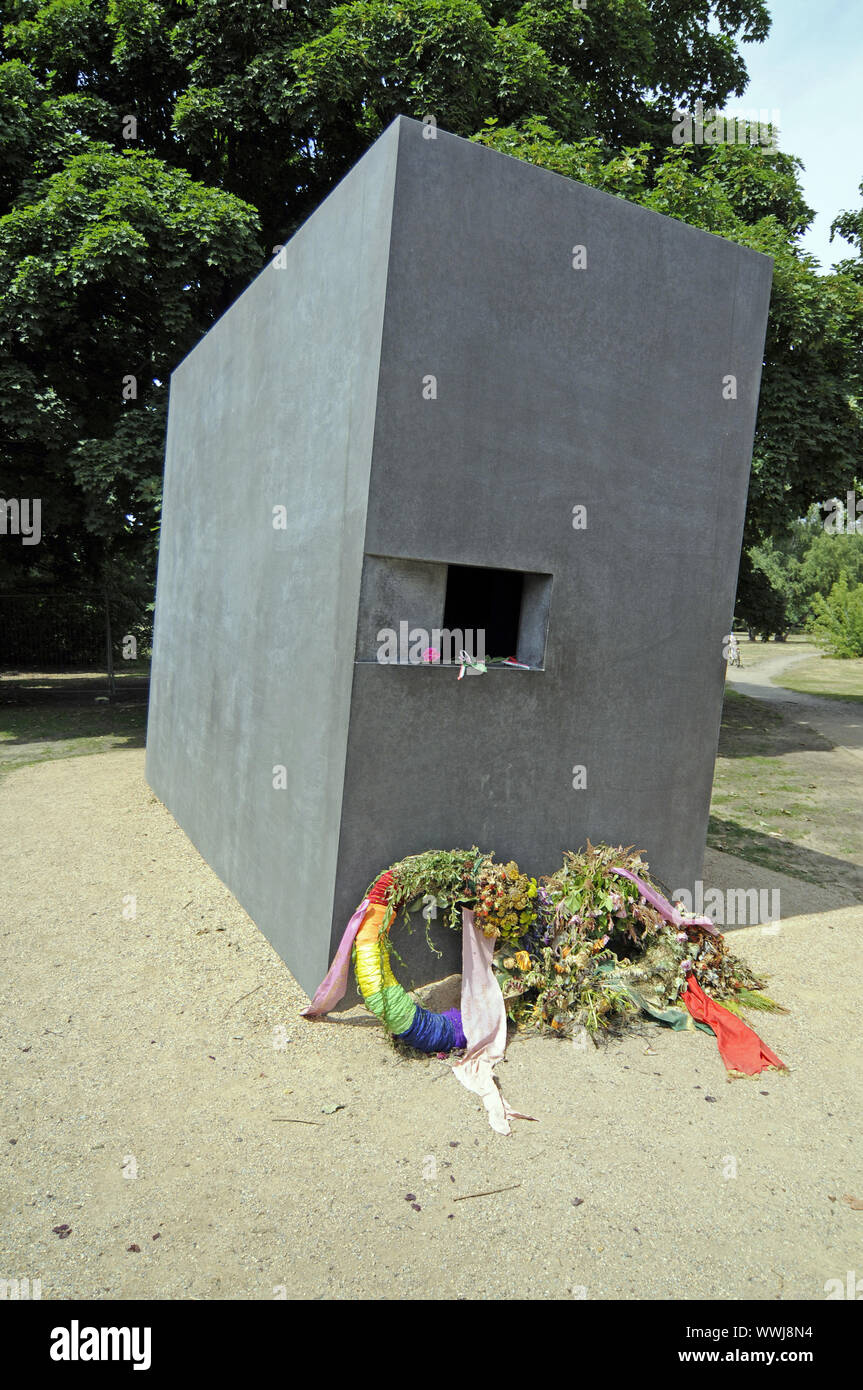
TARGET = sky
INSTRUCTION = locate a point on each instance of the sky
(810, 71)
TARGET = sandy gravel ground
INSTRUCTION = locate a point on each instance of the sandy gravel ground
(152, 1066)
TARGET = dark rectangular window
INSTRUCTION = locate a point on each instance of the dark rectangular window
(410, 605)
(488, 601)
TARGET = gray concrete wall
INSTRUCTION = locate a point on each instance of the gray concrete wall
(555, 387)
(255, 627)
(415, 591)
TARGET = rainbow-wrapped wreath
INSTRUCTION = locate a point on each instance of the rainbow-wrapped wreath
(591, 946)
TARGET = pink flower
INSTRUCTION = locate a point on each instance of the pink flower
(430, 655)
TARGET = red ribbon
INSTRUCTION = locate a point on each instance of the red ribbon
(740, 1047)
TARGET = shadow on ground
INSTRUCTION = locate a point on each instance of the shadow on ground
(752, 728)
(788, 857)
(65, 718)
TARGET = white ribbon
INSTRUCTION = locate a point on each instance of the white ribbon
(483, 1017)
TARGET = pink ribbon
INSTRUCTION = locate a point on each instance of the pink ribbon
(483, 1016)
(333, 988)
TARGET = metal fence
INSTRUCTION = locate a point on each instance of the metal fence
(64, 631)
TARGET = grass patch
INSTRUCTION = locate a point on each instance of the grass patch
(754, 653)
(44, 732)
(781, 795)
(827, 676)
(755, 847)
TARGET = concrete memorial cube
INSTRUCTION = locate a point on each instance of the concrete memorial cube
(469, 396)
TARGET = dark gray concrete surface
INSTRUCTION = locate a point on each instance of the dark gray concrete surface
(255, 626)
(555, 387)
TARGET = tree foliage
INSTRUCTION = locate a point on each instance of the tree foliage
(782, 577)
(154, 152)
(112, 266)
(838, 619)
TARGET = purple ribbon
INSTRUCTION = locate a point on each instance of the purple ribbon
(667, 909)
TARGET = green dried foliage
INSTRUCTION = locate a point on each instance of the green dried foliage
(501, 896)
(600, 941)
(447, 878)
(561, 990)
(752, 999)
(587, 895)
(581, 948)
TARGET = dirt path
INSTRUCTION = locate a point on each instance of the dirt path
(839, 721)
(788, 782)
(154, 1063)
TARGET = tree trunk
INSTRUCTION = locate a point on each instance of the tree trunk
(109, 647)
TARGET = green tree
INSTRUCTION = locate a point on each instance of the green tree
(850, 226)
(781, 576)
(111, 274)
(825, 561)
(762, 602)
(838, 619)
(257, 110)
(275, 104)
